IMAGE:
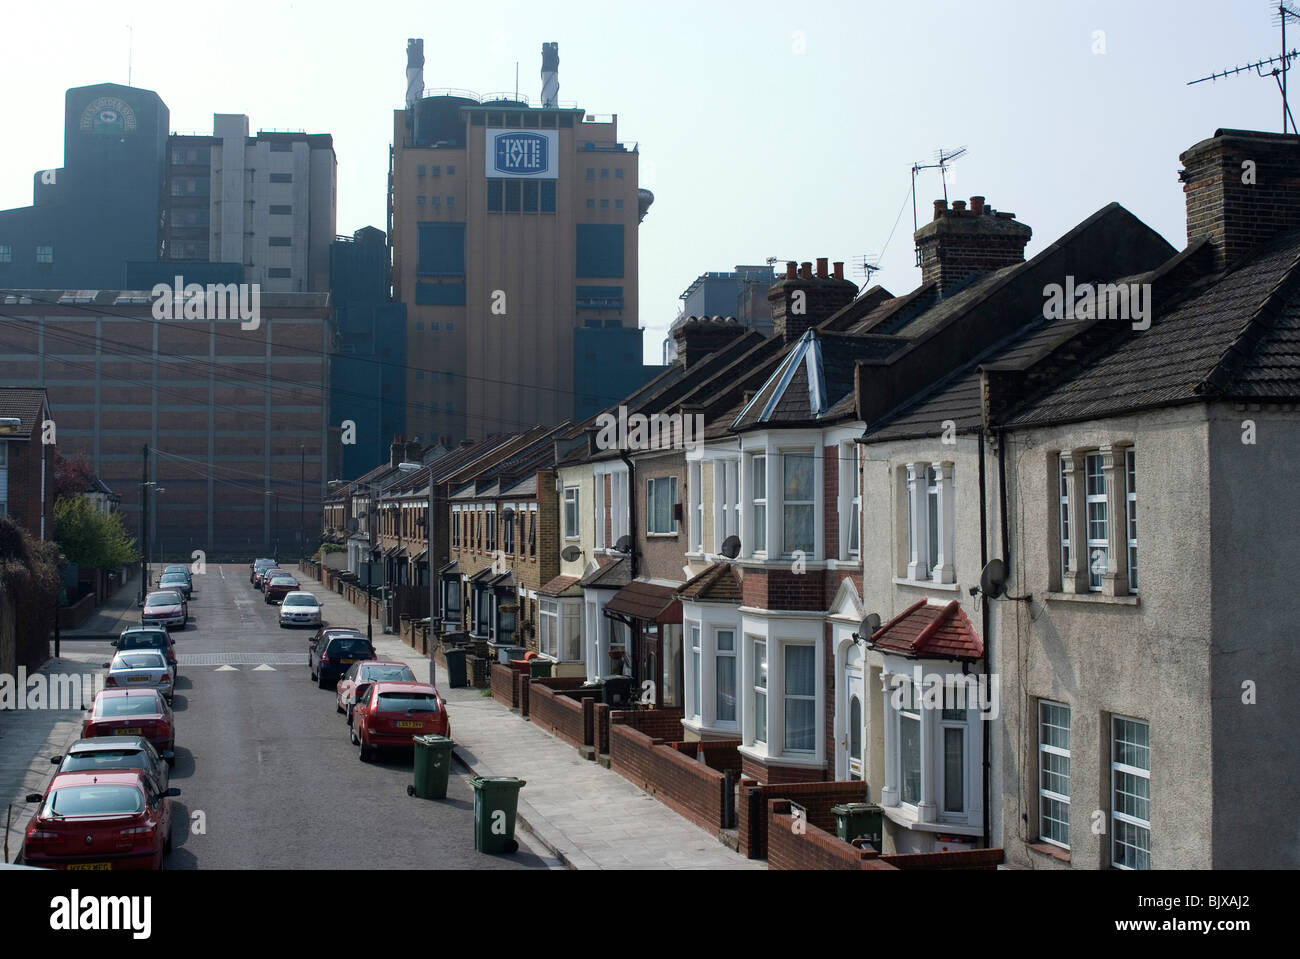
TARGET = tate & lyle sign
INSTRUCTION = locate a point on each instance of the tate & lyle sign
(522, 153)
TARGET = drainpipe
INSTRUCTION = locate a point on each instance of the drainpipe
(632, 565)
(984, 614)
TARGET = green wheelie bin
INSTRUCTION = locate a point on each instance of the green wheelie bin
(496, 799)
(856, 819)
(432, 767)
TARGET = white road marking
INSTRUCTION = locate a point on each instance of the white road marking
(226, 668)
(264, 668)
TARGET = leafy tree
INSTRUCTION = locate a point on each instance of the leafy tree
(91, 538)
(72, 475)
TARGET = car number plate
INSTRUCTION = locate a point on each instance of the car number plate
(133, 731)
(90, 865)
(138, 679)
(346, 662)
(407, 724)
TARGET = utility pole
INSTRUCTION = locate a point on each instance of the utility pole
(144, 521)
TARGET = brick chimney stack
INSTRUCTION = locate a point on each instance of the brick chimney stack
(1242, 188)
(397, 450)
(803, 299)
(698, 336)
(961, 241)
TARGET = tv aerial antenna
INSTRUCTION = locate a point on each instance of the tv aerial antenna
(865, 266)
(1280, 65)
(942, 158)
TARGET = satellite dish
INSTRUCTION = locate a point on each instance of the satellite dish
(570, 553)
(624, 544)
(993, 580)
(731, 547)
(867, 628)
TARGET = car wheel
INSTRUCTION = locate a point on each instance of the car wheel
(337, 707)
(366, 752)
(352, 735)
(348, 713)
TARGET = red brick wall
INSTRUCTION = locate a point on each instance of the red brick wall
(600, 729)
(812, 847)
(720, 754)
(503, 685)
(775, 773)
(965, 859)
(25, 457)
(520, 692)
(831, 500)
(684, 785)
(783, 589)
(664, 725)
(558, 714)
(816, 797)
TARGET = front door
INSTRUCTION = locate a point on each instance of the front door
(853, 705)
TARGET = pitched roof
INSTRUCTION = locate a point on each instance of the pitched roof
(923, 631)
(717, 584)
(26, 406)
(1235, 337)
(647, 601)
(613, 575)
(561, 586)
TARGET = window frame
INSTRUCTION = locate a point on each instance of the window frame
(786, 647)
(1116, 817)
(572, 524)
(652, 503)
(1046, 795)
(760, 693)
(809, 505)
(732, 654)
(1130, 517)
(1096, 499)
(758, 503)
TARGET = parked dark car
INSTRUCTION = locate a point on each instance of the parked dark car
(257, 566)
(333, 658)
(176, 581)
(149, 637)
(278, 587)
(105, 753)
(328, 632)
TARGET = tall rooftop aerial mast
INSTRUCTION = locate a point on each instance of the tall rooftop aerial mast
(1280, 64)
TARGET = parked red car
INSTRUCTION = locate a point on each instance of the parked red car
(278, 587)
(100, 820)
(359, 677)
(263, 576)
(132, 712)
(392, 714)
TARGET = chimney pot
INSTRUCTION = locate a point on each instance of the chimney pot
(958, 206)
(839, 269)
(790, 267)
(805, 270)
(940, 208)
(822, 262)
(977, 205)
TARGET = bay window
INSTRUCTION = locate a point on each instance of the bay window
(695, 490)
(797, 501)
(800, 706)
(726, 501)
(760, 690)
(855, 498)
(696, 704)
(559, 632)
(759, 466)
(725, 675)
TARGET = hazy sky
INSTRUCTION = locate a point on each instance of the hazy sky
(766, 129)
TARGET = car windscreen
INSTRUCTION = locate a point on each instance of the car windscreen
(392, 674)
(95, 801)
(142, 641)
(306, 599)
(163, 599)
(116, 707)
(350, 646)
(172, 579)
(283, 581)
(139, 660)
(407, 702)
(106, 759)
(178, 570)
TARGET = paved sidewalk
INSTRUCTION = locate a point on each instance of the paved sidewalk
(588, 816)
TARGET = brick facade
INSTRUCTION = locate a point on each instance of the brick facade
(684, 785)
(816, 797)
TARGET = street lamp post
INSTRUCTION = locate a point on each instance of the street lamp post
(302, 503)
(275, 525)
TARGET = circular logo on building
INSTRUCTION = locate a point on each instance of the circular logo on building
(108, 115)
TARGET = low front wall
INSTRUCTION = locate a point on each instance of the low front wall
(816, 797)
(684, 785)
(774, 772)
(664, 725)
(720, 754)
(504, 690)
(74, 614)
(802, 845)
(561, 715)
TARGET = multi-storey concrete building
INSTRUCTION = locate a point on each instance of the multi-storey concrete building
(233, 419)
(512, 225)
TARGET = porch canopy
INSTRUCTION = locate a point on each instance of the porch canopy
(647, 602)
(923, 631)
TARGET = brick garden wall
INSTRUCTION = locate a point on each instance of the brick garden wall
(664, 725)
(816, 797)
(558, 714)
(683, 785)
(503, 685)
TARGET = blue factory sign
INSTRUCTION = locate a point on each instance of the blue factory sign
(520, 153)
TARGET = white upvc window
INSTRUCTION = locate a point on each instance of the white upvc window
(758, 464)
(559, 633)
(508, 533)
(798, 502)
(598, 501)
(800, 704)
(759, 679)
(1054, 773)
(548, 627)
(661, 497)
(695, 703)
(491, 523)
(695, 492)
(1098, 521)
(726, 501)
(931, 495)
(571, 521)
(1130, 516)
(853, 463)
(909, 751)
(1130, 782)
(455, 527)
(724, 676)
(1063, 493)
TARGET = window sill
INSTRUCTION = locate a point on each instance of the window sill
(1047, 849)
(801, 759)
(927, 584)
(1094, 598)
(661, 535)
(899, 817)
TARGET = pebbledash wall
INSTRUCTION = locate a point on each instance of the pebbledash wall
(230, 412)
